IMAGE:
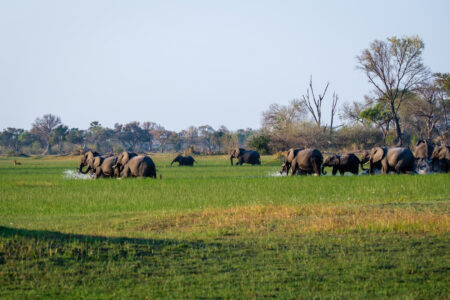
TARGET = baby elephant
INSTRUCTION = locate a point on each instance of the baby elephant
(184, 160)
(344, 163)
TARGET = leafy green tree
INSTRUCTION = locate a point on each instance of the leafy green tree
(75, 136)
(260, 142)
(394, 67)
(58, 136)
(10, 138)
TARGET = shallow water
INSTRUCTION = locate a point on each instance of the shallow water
(73, 174)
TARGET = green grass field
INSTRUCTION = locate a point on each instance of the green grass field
(216, 231)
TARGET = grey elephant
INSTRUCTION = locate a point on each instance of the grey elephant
(345, 163)
(86, 161)
(245, 156)
(422, 153)
(307, 161)
(184, 160)
(288, 158)
(397, 159)
(104, 167)
(365, 157)
(123, 159)
(137, 166)
(441, 158)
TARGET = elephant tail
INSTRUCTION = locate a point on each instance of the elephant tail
(323, 170)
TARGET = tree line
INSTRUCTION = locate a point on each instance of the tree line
(49, 135)
(408, 103)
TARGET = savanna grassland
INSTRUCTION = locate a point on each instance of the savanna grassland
(216, 231)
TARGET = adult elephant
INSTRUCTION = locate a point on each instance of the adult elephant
(138, 166)
(87, 161)
(397, 159)
(245, 156)
(307, 161)
(289, 157)
(184, 160)
(345, 163)
(422, 153)
(104, 167)
(122, 160)
(441, 157)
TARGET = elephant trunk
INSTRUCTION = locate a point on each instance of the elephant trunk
(231, 159)
(323, 170)
(80, 169)
(362, 166)
(172, 162)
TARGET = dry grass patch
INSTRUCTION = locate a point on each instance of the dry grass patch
(302, 219)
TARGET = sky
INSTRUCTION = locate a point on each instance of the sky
(183, 63)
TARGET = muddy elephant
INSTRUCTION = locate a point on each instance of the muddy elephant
(137, 166)
(397, 159)
(288, 158)
(123, 159)
(422, 153)
(345, 163)
(245, 157)
(104, 167)
(184, 160)
(307, 161)
(87, 161)
(441, 158)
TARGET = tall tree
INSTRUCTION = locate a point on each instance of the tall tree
(43, 128)
(58, 136)
(280, 122)
(394, 68)
(10, 138)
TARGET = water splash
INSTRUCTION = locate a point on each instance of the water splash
(73, 174)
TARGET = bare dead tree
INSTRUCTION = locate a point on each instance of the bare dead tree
(313, 104)
(333, 111)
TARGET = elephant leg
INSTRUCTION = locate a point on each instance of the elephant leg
(334, 172)
(98, 173)
(384, 167)
(293, 169)
(316, 168)
(341, 171)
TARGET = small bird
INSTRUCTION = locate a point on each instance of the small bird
(16, 163)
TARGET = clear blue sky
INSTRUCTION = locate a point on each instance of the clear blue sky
(181, 63)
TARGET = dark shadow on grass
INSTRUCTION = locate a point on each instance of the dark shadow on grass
(46, 235)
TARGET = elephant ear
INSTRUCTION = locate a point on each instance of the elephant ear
(444, 153)
(378, 154)
(97, 161)
(124, 158)
(336, 160)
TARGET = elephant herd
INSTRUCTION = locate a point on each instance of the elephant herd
(126, 164)
(426, 159)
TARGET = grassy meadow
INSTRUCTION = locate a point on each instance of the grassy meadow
(216, 231)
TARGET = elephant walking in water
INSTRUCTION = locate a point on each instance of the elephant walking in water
(289, 157)
(397, 159)
(307, 161)
(441, 158)
(245, 156)
(184, 160)
(344, 163)
(133, 165)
